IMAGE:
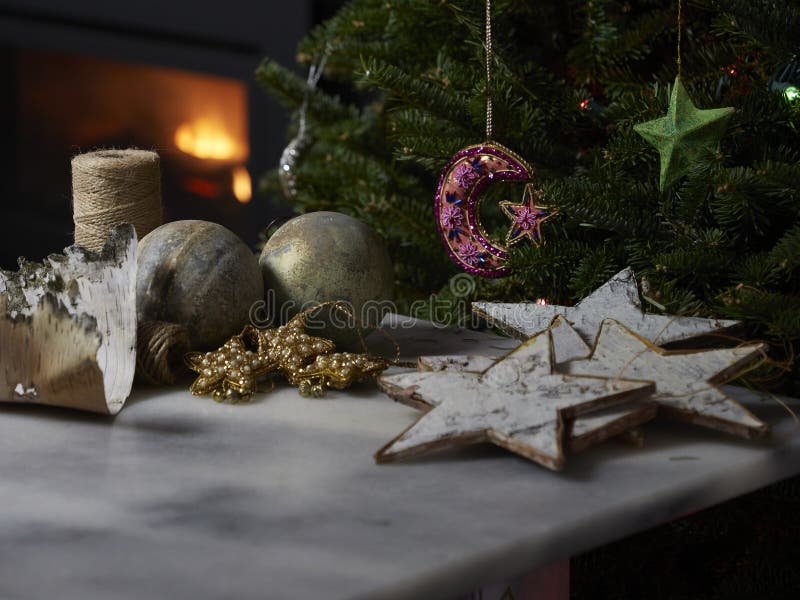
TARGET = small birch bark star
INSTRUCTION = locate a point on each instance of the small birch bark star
(526, 217)
(617, 299)
(519, 403)
(684, 135)
(685, 380)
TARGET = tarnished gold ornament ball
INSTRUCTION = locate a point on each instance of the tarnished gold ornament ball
(327, 256)
(199, 275)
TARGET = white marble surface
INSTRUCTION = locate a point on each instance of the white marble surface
(179, 497)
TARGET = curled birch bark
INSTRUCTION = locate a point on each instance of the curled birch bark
(68, 327)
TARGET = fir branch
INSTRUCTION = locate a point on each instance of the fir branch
(777, 314)
(785, 255)
(754, 22)
(290, 89)
(411, 91)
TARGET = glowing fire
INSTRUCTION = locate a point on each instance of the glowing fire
(242, 187)
(541, 301)
(205, 138)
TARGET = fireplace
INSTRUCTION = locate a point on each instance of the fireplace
(175, 77)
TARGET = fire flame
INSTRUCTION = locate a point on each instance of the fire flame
(541, 301)
(204, 138)
(242, 187)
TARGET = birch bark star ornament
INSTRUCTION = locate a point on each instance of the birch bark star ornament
(684, 135)
(686, 381)
(519, 403)
(587, 429)
(617, 299)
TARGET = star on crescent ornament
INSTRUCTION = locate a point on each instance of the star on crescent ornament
(685, 134)
(519, 403)
(686, 381)
(458, 201)
(617, 299)
(526, 217)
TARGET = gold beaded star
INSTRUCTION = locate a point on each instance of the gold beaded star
(232, 372)
(338, 370)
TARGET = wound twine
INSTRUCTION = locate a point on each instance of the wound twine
(160, 348)
(110, 187)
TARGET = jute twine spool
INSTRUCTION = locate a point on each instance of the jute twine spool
(110, 187)
(160, 348)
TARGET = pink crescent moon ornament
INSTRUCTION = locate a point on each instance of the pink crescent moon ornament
(458, 202)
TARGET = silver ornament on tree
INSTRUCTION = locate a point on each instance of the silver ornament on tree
(289, 157)
(300, 142)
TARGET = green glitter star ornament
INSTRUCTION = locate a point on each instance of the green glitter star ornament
(684, 135)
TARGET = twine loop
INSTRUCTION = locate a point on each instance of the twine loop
(160, 348)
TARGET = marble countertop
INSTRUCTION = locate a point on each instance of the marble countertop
(179, 497)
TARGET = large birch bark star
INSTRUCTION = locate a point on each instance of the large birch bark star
(587, 429)
(686, 381)
(616, 299)
(519, 403)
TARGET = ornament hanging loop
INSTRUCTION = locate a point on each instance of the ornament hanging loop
(489, 124)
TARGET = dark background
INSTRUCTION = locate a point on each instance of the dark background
(226, 39)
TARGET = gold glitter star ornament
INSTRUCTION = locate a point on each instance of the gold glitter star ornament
(684, 135)
(232, 369)
(310, 363)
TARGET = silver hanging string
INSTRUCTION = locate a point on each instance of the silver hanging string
(302, 140)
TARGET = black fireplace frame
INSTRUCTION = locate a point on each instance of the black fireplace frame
(217, 38)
